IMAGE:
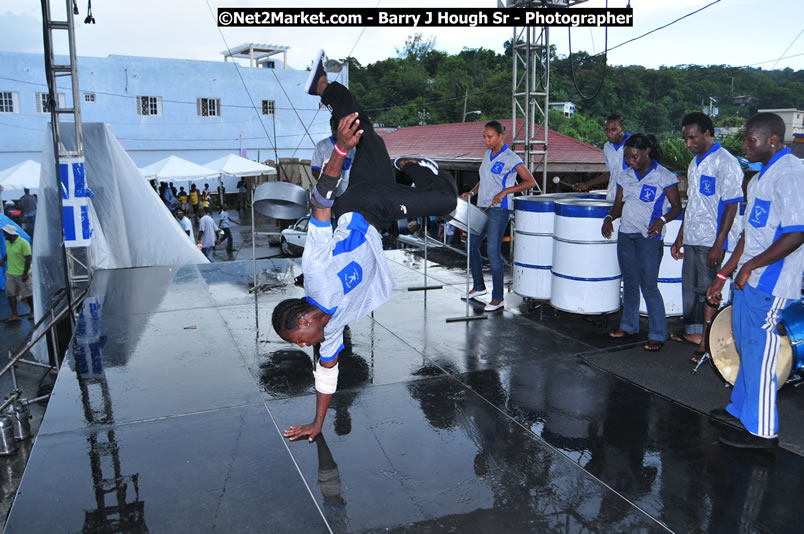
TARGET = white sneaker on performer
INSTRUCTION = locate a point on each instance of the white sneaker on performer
(475, 293)
(490, 307)
(424, 162)
(316, 71)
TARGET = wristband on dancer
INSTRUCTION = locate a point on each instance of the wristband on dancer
(722, 276)
(340, 152)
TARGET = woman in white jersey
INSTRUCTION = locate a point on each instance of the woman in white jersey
(647, 199)
(498, 183)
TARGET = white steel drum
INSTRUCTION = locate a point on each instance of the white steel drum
(533, 242)
(585, 274)
(669, 285)
(533, 245)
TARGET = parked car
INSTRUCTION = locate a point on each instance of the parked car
(293, 238)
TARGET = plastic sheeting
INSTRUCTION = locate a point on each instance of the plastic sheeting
(132, 226)
(23, 234)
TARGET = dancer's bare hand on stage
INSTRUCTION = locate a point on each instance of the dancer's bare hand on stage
(299, 431)
(348, 133)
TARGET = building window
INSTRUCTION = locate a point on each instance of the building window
(268, 107)
(42, 105)
(209, 107)
(89, 98)
(149, 105)
(9, 102)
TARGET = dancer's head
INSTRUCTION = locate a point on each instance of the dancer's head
(297, 321)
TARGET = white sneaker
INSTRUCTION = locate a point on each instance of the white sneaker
(494, 307)
(316, 72)
(473, 294)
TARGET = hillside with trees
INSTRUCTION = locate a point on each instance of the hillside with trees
(423, 85)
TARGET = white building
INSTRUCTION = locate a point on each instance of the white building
(198, 110)
(567, 108)
(793, 121)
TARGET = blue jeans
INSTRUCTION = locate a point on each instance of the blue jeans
(639, 259)
(207, 251)
(494, 231)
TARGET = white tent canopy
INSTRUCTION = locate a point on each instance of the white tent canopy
(176, 169)
(16, 178)
(234, 165)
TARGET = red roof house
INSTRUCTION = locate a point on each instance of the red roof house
(460, 146)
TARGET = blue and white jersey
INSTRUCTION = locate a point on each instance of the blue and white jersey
(775, 207)
(615, 164)
(321, 154)
(223, 220)
(644, 199)
(345, 274)
(497, 172)
(714, 181)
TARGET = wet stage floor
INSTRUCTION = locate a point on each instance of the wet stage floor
(168, 412)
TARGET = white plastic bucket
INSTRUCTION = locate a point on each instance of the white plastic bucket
(586, 274)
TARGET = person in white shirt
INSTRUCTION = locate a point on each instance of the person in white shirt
(321, 153)
(207, 233)
(346, 275)
(185, 224)
(715, 190)
(225, 221)
(614, 152)
(647, 199)
(768, 260)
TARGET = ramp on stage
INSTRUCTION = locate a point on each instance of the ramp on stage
(168, 411)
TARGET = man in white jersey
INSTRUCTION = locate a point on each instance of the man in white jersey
(714, 192)
(768, 261)
(321, 154)
(346, 275)
(614, 152)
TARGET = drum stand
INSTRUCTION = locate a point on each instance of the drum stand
(425, 287)
(467, 317)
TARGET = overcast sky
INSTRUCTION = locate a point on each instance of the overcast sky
(730, 32)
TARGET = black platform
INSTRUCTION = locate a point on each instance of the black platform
(168, 414)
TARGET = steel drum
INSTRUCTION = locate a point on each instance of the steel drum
(721, 346)
(477, 217)
(793, 325)
(585, 274)
(282, 200)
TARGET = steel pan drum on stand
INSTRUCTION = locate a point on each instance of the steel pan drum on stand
(281, 200)
(586, 274)
(722, 348)
(467, 211)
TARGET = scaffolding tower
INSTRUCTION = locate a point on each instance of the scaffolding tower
(531, 89)
(76, 258)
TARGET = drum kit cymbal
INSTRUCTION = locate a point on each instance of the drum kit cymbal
(722, 349)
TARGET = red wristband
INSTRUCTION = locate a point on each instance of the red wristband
(720, 275)
(340, 152)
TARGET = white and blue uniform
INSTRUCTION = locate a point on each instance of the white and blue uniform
(615, 164)
(775, 207)
(346, 275)
(714, 181)
(322, 152)
(497, 171)
(644, 199)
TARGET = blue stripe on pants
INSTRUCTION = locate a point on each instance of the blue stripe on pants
(753, 399)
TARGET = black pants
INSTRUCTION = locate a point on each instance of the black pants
(227, 236)
(373, 191)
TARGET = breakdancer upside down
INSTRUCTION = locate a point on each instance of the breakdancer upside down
(346, 275)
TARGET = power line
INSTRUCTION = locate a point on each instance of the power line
(663, 26)
(788, 48)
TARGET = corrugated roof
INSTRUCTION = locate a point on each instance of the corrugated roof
(464, 141)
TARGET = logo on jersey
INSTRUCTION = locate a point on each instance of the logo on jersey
(707, 186)
(498, 167)
(759, 213)
(648, 193)
(351, 276)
